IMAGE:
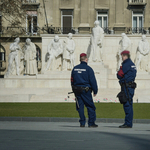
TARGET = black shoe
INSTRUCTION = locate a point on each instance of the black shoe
(93, 126)
(82, 126)
(124, 126)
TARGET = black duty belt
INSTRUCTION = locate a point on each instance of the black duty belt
(79, 89)
(129, 84)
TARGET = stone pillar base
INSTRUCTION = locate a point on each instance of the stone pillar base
(84, 28)
(119, 30)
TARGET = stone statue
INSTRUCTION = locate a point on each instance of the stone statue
(55, 51)
(30, 58)
(13, 56)
(20, 62)
(96, 42)
(125, 44)
(143, 50)
(68, 54)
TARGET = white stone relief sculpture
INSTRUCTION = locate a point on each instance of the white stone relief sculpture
(143, 50)
(14, 57)
(55, 51)
(20, 62)
(125, 44)
(68, 53)
(30, 58)
(95, 50)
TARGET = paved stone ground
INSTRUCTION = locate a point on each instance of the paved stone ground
(69, 136)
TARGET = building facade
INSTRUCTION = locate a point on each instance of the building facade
(77, 17)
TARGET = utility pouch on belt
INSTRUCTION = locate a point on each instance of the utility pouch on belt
(131, 85)
(77, 89)
(122, 97)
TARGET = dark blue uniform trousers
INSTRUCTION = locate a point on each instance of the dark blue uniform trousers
(87, 100)
(128, 108)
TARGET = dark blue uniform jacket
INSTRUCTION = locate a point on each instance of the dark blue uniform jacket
(83, 75)
(127, 72)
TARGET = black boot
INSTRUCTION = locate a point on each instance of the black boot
(82, 126)
(93, 126)
(124, 126)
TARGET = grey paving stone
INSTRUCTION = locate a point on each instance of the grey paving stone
(19, 135)
(10, 118)
(55, 119)
(64, 119)
(114, 120)
(147, 121)
(36, 119)
(99, 120)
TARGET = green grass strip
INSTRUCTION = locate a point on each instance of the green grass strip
(103, 110)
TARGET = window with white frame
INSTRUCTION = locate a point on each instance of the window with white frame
(31, 22)
(66, 21)
(102, 17)
(137, 22)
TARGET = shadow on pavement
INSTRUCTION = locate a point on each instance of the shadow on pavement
(70, 126)
(71, 140)
(111, 126)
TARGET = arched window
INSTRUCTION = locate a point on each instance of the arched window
(38, 58)
(2, 58)
(38, 53)
(2, 53)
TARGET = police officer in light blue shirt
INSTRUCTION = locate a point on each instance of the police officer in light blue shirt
(83, 82)
(126, 76)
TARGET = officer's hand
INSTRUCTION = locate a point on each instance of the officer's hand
(95, 95)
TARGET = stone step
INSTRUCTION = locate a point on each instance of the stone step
(61, 95)
(139, 76)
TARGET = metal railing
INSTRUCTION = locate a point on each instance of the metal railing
(36, 31)
(107, 30)
(137, 1)
(20, 31)
(30, 1)
(130, 30)
(60, 30)
(73, 30)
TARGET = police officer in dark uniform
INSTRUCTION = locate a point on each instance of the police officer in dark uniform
(83, 83)
(126, 76)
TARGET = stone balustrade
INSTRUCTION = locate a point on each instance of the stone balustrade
(137, 2)
(30, 1)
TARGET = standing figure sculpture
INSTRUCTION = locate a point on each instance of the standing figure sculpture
(143, 50)
(96, 42)
(13, 56)
(55, 51)
(125, 44)
(68, 54)
(30, 58)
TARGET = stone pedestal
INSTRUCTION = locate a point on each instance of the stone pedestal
(53, 86)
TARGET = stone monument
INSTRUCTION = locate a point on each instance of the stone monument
(68, 54)
(13, 56)
(30, 58)
(125, 44)
(55, 51)
(96, 44)
(142, 60)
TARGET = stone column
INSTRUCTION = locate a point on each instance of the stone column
(147, 17)
(84, 17)
(119, 17)
(111, 18)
